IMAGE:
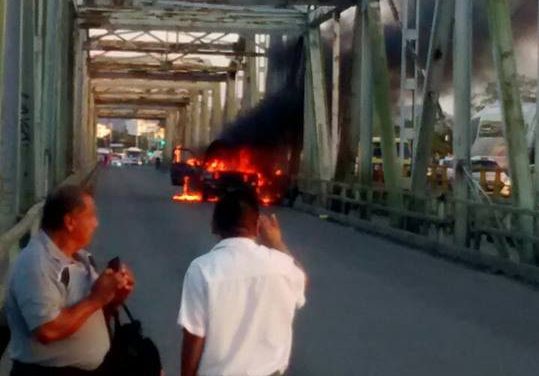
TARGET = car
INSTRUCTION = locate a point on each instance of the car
(216, 184)
(116, 160)
(479, 166)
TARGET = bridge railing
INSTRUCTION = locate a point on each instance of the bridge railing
(493, 227)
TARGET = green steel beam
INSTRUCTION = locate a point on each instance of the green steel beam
(350, 132)
(462, 71)
(499, 19)
(48, 107)
(366, 99)
(27, 119)
(383, 105)
(320, 120)
(438, 52)
(10, 135)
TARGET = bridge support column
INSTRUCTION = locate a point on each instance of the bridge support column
(64, 106)
(359, 128)
(231, 101)
(79, 97)
(29, 148)
(275, 79)
(86, 122)
(179, 139)
(250, 77)
(522, 188)
(316, 143)
(383, 107)
(195, 120)
(444, 12)
(536, 153)
(363, 72)
(335, 92)
(91, 142)
(10, 130)
(49, 105)
(171, 130)
(216, 112)
(188, 126)
(205, 119)
(462, 71)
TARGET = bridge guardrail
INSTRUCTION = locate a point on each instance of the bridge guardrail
(493, 227)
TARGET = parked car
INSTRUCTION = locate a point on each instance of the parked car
(478, 165)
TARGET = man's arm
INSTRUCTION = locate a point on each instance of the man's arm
(192, 348)
(70, 319)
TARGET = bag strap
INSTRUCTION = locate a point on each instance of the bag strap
(128, 313)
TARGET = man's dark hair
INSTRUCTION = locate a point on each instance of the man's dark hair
(60, 202)
(236, 214)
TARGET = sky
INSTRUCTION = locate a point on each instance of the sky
(524, 23)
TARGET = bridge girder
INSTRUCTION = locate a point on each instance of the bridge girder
(223, 49)
(215, 15)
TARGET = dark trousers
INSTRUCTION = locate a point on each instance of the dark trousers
(23, 369)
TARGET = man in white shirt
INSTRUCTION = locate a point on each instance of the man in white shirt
(239, 300)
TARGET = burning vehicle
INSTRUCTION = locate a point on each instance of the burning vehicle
(227, 168)
(260, 150)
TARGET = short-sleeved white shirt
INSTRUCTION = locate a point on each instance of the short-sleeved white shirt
(242, 298)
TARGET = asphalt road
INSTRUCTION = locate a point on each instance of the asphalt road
(373, 307)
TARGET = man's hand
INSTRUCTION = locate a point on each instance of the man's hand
(269, 233)
(106, 286)
(126, 287)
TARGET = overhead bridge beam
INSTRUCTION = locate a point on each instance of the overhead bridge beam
(132, 113)
(148, 84)
(161, 76)
(194, 18)
(224, 49)
(274, 3)
(142, 101)
(249, 3)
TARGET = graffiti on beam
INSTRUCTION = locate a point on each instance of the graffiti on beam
(26, 135)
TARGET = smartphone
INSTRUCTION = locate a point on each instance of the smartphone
(114, 264)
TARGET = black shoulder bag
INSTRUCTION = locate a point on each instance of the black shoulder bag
(131, 353)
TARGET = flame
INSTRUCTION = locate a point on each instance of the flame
(242, 162)
(193, 162)
(266, 200)
(186, 196)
